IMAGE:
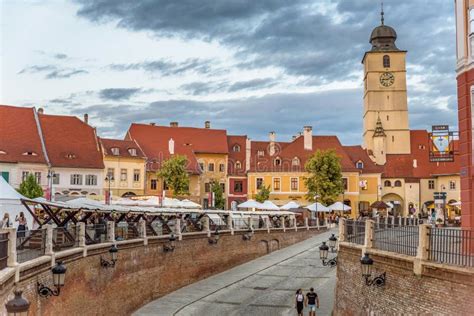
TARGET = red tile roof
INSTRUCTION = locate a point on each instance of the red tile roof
(402, 166)
(123, 147)
(235, 156)
(70, 142)
(19, 135)
(188, 141)
(288, 151)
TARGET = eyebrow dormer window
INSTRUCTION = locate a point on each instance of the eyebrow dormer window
(360, 165)
(115, 151)
(295, 161)
(132, 151)
(30, 153)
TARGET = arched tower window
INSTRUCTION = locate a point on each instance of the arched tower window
(386, 61)
(387, 183)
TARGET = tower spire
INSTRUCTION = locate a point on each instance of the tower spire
(382, 14)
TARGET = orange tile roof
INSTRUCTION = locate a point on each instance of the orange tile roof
(70, 143)
(188, 141)
(19, 135)
(123, 146)
(402, 166)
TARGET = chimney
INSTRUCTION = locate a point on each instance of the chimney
(171, 146)
(152, 124)
(40, 110)
(174, 124)
(207, 124)
(248, 151)
(308, 138)
(272, 150)
(294, 137)
(415, 163)
(86, 118)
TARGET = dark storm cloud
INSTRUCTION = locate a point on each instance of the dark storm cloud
(169, 68)
(53, 72)
(318, 41)
(118, 94)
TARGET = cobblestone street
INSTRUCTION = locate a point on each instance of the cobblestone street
(265, 286)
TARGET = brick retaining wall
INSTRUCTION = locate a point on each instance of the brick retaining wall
(142, 273)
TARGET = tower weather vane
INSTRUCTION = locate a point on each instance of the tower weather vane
(382, 14)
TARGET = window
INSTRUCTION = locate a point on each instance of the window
(398, 183)
(452, 185)
(295, 161)
(238, 186)
(360, 165)
(132, 151)
(115, 151)
(277, 162)
(30, 153)
(24, 175)
(387, 183)
(238, 165)
(236, 148)
(111, 173)
(123, 174)
(91, 179)
(201, 166)
(221, 167)
(76, 179)
(222, 187)
(386, 61)
(136, 175)
(260, 153)
(345, 184)
(38, 177)
(207, 187)
(276, 184)
(211, 166)
(153, 184)
(55, 178)
(294, 184)
(259, 183)
(431, 184)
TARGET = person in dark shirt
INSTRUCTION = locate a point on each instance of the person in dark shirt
(312, 301)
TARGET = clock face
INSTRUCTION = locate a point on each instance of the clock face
(387, 79)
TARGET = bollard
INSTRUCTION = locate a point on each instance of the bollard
(306, 223)
(230, 224)
(206, 227)
(294, 223)
(142, 231)
(267, 223)
(110, 231)
(177, 228)
(283, 223)
(369, 234)
(48, 242)
(317, 222)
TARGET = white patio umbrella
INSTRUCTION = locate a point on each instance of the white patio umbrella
(338, 206)
(269, 206)
(250, 204)
(318, 207)
(289, 206)
(189, 204)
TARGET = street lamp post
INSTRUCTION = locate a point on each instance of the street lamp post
(109, 178)
(316, 197)
(443, 196)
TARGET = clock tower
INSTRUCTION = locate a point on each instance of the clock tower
(385, 96)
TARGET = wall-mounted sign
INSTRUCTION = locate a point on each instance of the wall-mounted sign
(441, 144)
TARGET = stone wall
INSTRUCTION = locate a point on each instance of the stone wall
(438, 290)
(142, 273)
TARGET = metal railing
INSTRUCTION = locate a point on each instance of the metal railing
(452, 246)
(64, 238)
(399, 239)
(126, 231)
(30, 244)
(96, 233)
(3, 250)
(355, 231)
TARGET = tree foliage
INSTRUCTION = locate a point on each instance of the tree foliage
(263, 194)
(173, 172)
(325, 177)
(30, 188)
(219, 201)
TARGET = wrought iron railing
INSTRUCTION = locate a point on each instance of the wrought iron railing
(126, 231)
(355, 231)
(30, 244)
(3, 250)
(96, 233)
(399, 239)
(64, 237)
(452, 246)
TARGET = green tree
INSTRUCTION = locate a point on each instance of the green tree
(325, 177)
(173, 172)
(30, 188)
(219, 201)
(263, 194)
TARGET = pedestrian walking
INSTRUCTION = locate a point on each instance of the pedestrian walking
(22, 227)
(312, 301)
(299, 302)
(5, 222)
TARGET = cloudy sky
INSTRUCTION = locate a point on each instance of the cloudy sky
(247, 66)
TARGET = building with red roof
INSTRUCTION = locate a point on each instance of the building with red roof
(237, 168)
